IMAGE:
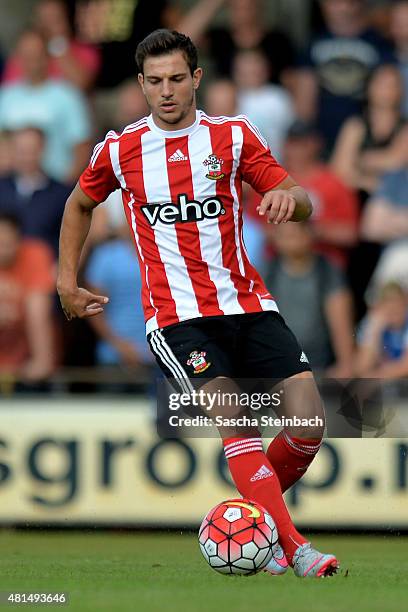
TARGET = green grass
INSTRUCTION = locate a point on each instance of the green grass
(166, 573)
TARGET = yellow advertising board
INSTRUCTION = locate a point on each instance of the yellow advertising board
(99, 461)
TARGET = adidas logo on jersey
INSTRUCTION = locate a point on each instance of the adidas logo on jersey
(263, 472)
(183, 210)
(177, 156)
(303, 358)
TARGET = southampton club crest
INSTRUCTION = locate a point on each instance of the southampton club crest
(214, 167)
(198, 361)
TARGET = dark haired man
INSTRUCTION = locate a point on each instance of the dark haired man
(29, 193)
(181, 175)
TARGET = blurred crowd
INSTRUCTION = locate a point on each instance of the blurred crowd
(334, 109)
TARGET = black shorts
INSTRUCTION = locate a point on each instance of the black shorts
(246, 346)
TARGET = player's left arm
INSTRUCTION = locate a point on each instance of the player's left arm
(286, 202)
(283, 199)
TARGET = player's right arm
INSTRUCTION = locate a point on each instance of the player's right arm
(76, 301)
(93, 187)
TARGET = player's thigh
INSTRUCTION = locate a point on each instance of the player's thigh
(272, 353)
(269, 349)
(189, 354)
(222, 403)
(302, 406)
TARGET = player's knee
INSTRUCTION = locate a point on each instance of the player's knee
(307, 375)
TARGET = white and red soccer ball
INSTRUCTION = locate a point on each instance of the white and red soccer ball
(238, 536)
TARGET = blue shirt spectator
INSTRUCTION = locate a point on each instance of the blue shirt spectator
(385, 217)
(28, 193)
(395, 341)
(55, 107)
(394, 188)
(39, 211)
(113, 268)
(383, 336)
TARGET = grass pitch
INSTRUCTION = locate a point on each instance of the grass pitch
(152, 572)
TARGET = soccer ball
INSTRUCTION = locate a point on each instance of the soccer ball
(238, 537)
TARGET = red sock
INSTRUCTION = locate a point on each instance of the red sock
(255, 479)
(291, 457)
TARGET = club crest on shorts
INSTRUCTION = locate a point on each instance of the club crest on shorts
(214, 167)
(198, 361)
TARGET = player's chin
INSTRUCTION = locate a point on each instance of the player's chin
(171, 117)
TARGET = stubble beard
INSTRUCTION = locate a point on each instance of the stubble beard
(181, 115)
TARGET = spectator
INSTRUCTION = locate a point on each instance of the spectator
(335, 206)
(5, 158)
(55, 107)
(119, 107)
(313, 295)
(113, 268)
(117, 27)
(70, 59)
(391, 267)
(376, 142)
(379, 15)
(385, 218)
(268, 106)
(383, 339)
(221, 98)
(29, 193)
(130, 104)
(336, 66)
(26, 289)
(399, 35)
(246, 30)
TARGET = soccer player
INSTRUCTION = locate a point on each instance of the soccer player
(181, 175)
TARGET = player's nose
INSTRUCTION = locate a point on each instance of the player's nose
(167, 89)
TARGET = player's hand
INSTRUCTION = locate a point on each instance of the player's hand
(278, 206)
(80, 303)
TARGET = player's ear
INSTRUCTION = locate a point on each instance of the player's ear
(140, 78)
(197, 74)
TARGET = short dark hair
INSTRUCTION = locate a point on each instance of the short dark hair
(164, 41)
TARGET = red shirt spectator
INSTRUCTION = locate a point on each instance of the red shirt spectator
(85, 55)
(335, 206)
(335, 211)
(26, 287)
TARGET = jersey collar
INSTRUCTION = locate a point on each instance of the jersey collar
(174, 133)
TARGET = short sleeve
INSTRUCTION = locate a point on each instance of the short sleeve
(258, 167)
(98, 180)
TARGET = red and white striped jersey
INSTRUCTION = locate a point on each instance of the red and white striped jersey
(182, 195)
